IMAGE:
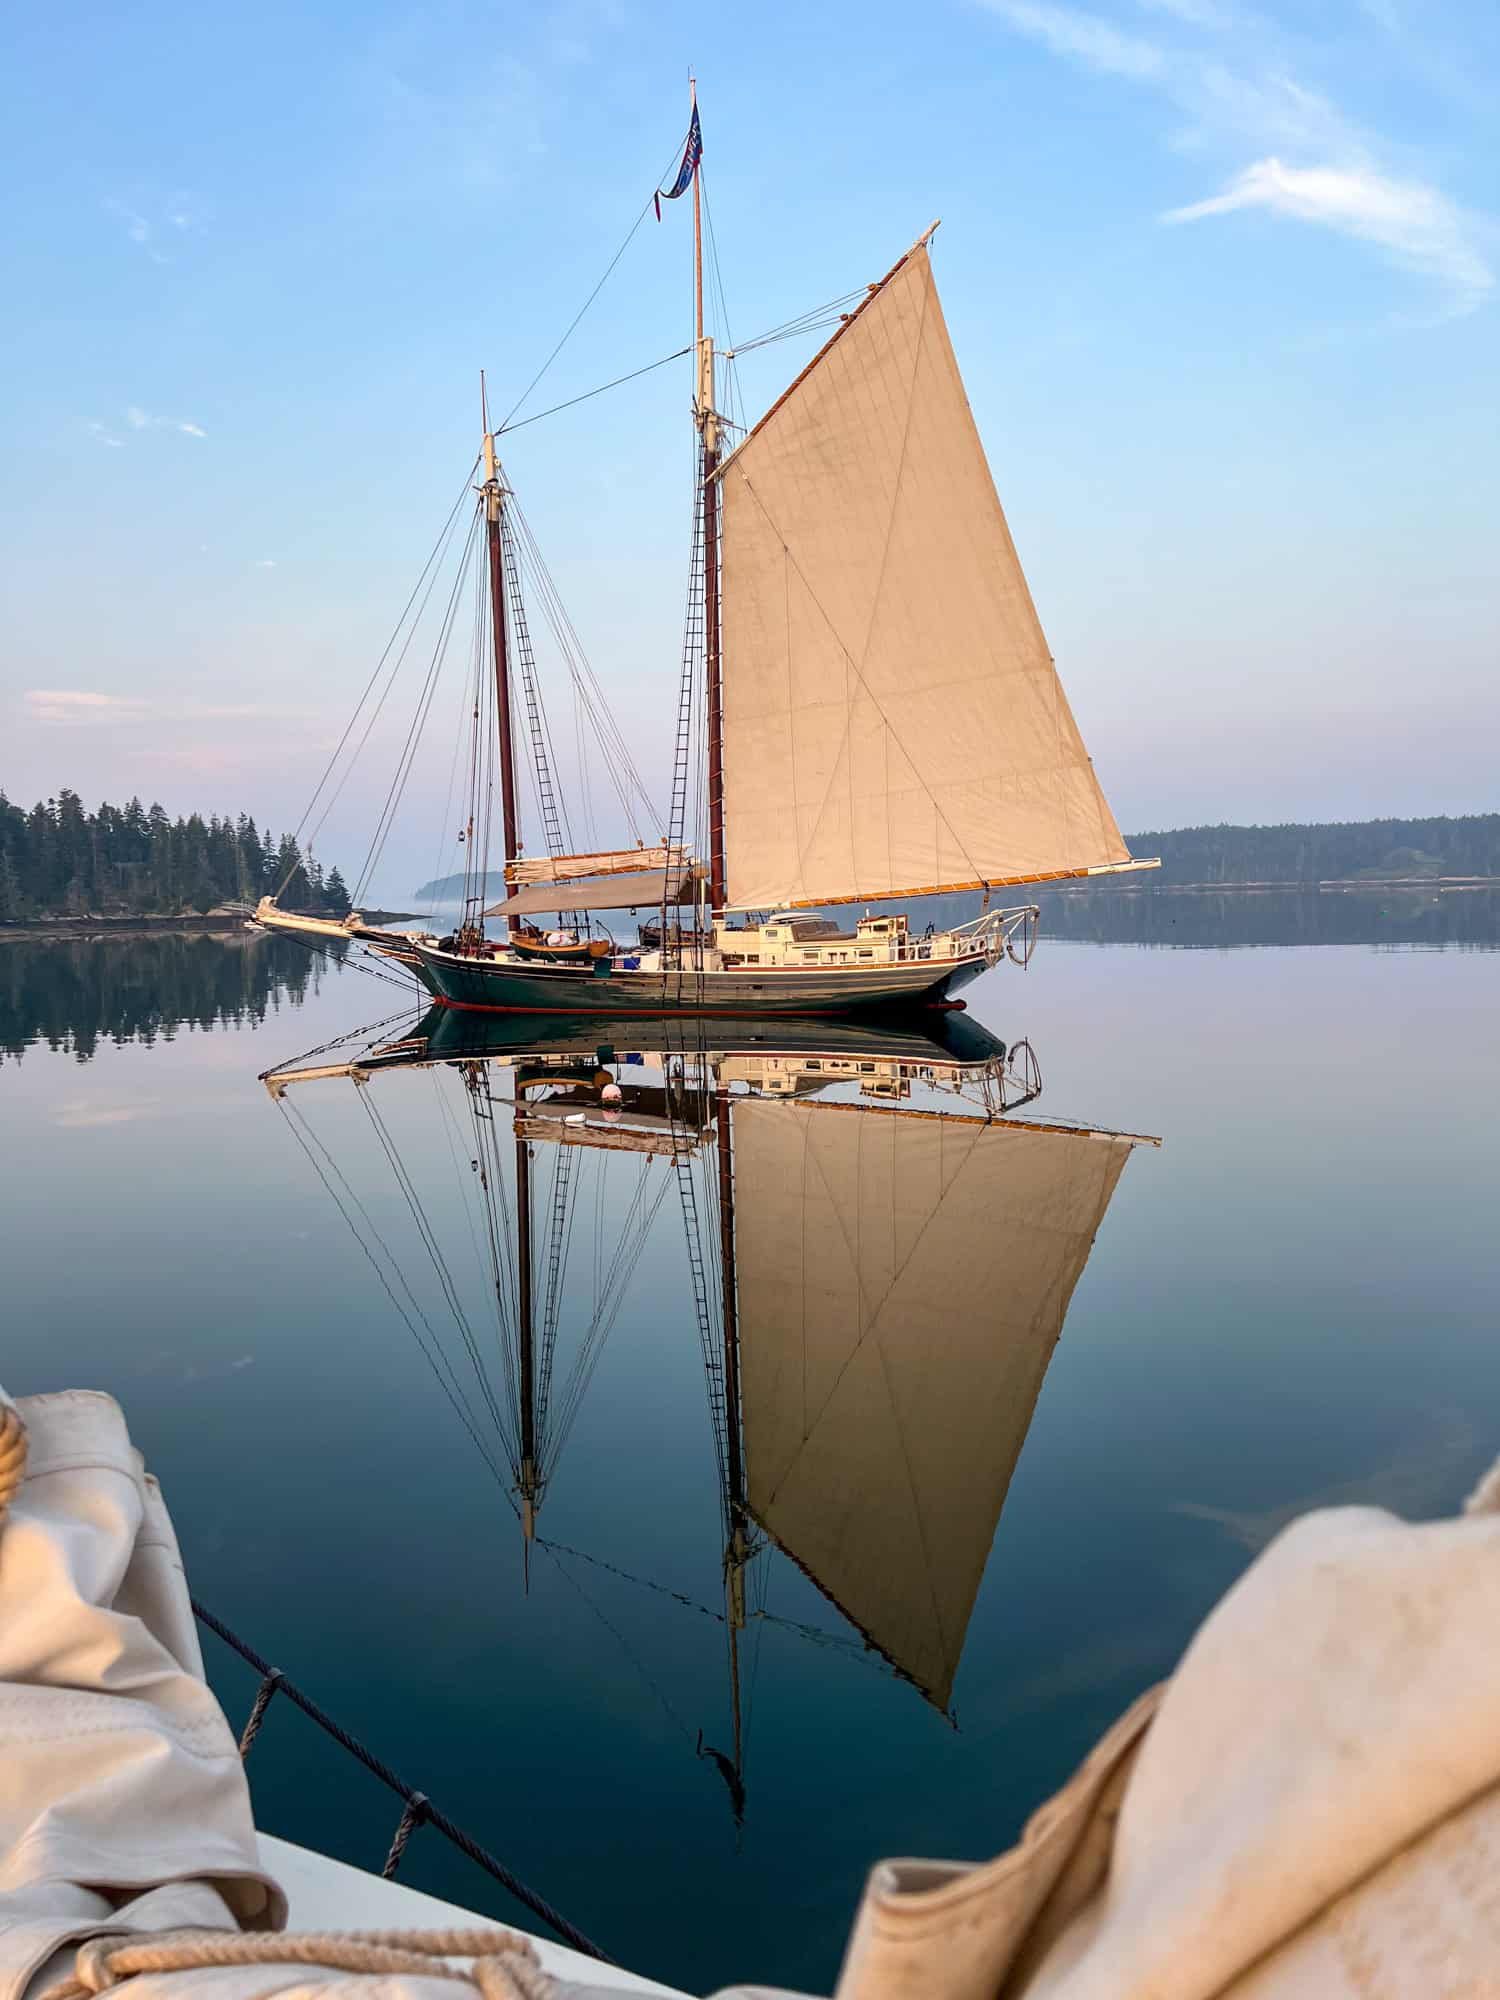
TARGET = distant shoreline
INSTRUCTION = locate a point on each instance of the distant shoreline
(1368, 883)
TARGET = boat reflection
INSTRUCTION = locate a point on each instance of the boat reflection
(880, 1257)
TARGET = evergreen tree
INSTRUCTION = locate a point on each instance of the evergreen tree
(335, 895)
(59, 859)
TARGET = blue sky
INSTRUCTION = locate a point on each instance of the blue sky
(1222, 281)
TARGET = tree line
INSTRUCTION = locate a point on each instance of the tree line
(1342, 851)
(59, 859)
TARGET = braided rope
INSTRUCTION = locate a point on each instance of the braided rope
(12, 1455)
(505, 1964)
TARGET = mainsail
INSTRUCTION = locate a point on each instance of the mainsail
(902, 1281)
(893, 721)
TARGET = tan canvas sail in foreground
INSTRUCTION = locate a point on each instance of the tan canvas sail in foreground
(903, 1279)
(893, 722)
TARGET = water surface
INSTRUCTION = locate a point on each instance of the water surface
(1292, 1302)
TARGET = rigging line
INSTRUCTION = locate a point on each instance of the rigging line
(586, 682)
(555, 828)
(628, 1576)
(450, 1132)
(445, 844)
(808, 322)
(497, 1223)
(418, 721)
(731, 380)
(364, 1035)
(437, 547)
(576, 658)
(558, 1242)
(419, 717)
(607, 1310)
(588, 394)
(646, 209)
(455, 1399)
(326, 949)
(618, 1636)
(434, 1252)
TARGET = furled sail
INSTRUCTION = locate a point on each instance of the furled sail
(893, 721)
(643, 889)
(612, 861)
(902, 1280)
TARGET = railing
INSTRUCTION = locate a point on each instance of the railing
(416, 1808)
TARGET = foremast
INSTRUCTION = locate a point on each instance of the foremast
(493, 491)
(706, 419)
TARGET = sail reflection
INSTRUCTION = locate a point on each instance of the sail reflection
(880, 1258)
(901, 1283)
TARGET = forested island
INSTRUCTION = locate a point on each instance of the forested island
(1371, 850)
(1289, 856)
(60, 860)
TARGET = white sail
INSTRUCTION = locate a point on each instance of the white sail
(902, 1281)
(893, 721)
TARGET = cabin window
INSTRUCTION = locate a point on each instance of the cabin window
(867, 954)
(810, 957)
(867, 1069)
(813, 1063)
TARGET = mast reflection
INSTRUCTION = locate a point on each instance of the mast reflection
(880, 1255)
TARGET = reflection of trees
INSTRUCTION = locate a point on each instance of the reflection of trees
(1266, 917)
(71, 993)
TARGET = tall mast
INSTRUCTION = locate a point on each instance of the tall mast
(708, 430)
(494, 498)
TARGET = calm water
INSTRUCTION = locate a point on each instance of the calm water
(1293, 1301)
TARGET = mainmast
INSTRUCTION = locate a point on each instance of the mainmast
(708, 430)
(494, 499)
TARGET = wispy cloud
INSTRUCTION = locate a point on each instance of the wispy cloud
(137, 229)
(145, 226)
(142, 420)
(89, 708)
(1085, 38)
(266, 562)
(1419, 227)
(77, 706)
(1227, 74)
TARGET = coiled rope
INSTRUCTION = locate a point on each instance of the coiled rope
(505, 1965)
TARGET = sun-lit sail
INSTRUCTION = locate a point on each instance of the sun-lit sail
(902, 1280)
(893, 721)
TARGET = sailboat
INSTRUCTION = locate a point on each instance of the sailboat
(869, 711)
(880, 1259)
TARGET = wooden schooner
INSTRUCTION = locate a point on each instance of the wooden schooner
(868, 698)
